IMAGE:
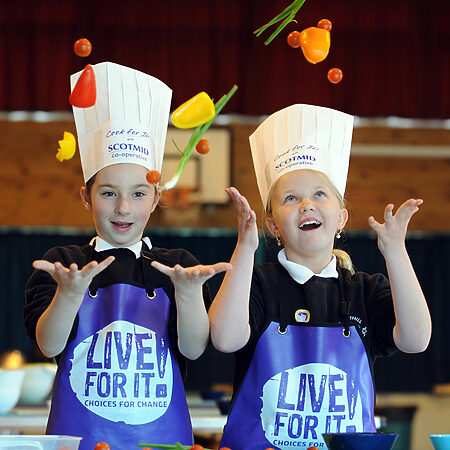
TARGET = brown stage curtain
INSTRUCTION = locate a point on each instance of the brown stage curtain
(395, 55)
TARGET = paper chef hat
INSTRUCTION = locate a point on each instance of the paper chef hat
(302, 137)
(127, 124)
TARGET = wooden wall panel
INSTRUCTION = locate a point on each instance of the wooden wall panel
(38, 190)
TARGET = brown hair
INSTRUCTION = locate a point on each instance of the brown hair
(89, 184)
(343, 258)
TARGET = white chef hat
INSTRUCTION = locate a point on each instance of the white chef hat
(302, 137)
(127, 124)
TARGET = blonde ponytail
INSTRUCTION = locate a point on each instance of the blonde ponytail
(344, 261)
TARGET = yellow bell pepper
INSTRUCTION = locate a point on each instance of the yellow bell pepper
(315, 43)
(67, 147)
(196, 111)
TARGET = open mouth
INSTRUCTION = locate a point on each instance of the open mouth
(309, 225)
(122, 226)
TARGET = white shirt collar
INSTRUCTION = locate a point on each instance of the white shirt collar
(101, 245)
(302, 274)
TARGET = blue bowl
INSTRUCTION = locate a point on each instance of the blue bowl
(440, 441)
(211, 394)
(359, 441)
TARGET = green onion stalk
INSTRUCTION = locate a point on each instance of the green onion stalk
(288, 15)
(193, 141)
(177, 446)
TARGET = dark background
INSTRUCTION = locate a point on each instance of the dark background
(395, 55)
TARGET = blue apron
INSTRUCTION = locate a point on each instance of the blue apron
(302, 381)
(118, 381)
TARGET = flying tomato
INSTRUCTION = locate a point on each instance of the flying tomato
(325, 24)
(102, 446)
(203, 146)
(293, 39)
(335, 75)
(82, 47)
(153, 176)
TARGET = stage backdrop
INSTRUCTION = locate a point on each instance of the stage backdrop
(395, 55)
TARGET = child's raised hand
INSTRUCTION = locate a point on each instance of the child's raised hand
(391, 234)
(248, 231)
(72, 280)
(190, 277)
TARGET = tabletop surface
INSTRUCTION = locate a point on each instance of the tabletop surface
(205, 417)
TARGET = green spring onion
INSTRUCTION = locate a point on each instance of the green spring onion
(288, 15)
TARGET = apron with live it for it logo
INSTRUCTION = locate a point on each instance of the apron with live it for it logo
(302, 381)
(118, 381)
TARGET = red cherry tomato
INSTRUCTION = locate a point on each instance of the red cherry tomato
(325, 24)
(82, 47)
(224, 448)
(203, 146)
(312, 448)
(335, 75)
(196, 447)
(153, 177)
(293, 39)
(102, 446)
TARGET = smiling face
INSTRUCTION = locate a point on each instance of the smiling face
(306, 213)
(121, 201)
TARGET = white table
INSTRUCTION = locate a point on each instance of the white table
(205, 416)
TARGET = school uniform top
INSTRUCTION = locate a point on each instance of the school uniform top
(370, 298)
(127, 267)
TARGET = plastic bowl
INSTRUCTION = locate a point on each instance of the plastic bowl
(38, 383)
(440, 441)
(49, 442)
(359, 441)
(10, 387)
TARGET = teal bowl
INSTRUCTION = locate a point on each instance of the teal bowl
(440, 441)
(359, 441)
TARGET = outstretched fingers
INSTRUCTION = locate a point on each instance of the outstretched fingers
(179, 273)
(72, 274)
(220, 267)
(376, 226)
(388, 212)
(408, 209)
(246, 216)
(166, 270)
(42, 264)
(94, 268)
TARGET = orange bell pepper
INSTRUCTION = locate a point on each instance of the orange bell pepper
(315, 44)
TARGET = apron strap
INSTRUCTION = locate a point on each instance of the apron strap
(146, 259)
(284, 280)
(344, 305)
(93, 287)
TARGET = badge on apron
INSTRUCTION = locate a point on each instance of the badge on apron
(302, 315)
